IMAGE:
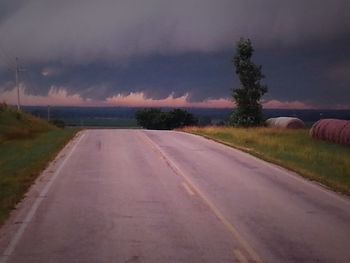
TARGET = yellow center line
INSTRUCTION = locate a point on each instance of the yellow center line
(239, 256)
(188, 188)
(234, 232)
(229, 226)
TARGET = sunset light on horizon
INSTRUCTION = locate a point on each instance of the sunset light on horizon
(59, 97)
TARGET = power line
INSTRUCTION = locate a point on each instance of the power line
(13, 65)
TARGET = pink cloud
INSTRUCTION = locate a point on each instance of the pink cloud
(277, 104)
(139, 99)
(59, 96)
(56, 96)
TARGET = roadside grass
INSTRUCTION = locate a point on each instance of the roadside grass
(321, 161)
(20, 125)
(27, 144)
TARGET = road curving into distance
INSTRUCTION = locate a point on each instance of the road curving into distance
(166, 196)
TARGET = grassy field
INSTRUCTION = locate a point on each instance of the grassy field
(27, 144)
(317, 160)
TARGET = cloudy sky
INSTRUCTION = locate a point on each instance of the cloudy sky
(173, 53)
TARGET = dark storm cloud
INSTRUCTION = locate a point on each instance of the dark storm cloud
(84, 31)
(102, 48)
(156, 76)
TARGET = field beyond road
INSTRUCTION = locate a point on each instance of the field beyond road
(321, 161)
(27, 144)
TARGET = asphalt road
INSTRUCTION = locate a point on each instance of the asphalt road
(163, 196)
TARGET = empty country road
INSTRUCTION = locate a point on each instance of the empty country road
(165, 196)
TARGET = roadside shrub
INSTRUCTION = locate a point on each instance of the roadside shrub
(18, 115)
(58, 123)
(3, 106)
(179, 118)
(150, 118)
(158, 120)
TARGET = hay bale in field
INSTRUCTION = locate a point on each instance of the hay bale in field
(285, 123)
(333, 130)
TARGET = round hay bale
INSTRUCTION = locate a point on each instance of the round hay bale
(332, 130)
(285, 123)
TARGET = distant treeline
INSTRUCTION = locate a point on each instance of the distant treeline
(157, 119)
(125, 116)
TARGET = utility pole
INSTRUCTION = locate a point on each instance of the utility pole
(17, 72)
(17, 85)
(48, 113)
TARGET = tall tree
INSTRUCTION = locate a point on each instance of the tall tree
(248, 95)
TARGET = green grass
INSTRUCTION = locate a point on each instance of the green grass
(27, 144)
(317, 160)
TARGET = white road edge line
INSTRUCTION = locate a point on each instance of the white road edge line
(17, 236)
(291, 174)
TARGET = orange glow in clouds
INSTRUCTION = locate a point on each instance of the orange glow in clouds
(58, 96)
(138, 99)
